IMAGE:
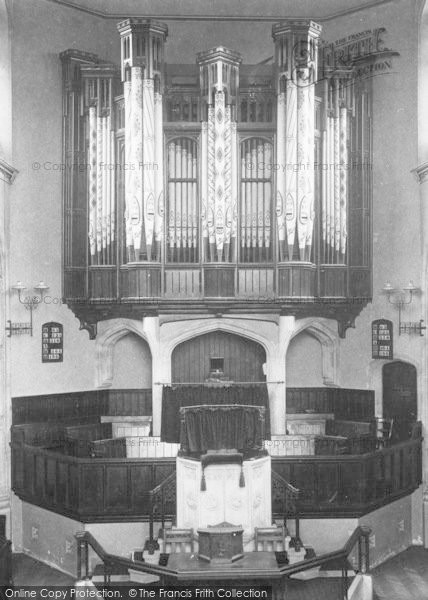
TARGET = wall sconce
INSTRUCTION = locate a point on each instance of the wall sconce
(400, 298)
(30, 303)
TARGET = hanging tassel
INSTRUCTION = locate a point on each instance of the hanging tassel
(203, 482)
(241, 478)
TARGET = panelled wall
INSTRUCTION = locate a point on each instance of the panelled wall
(242, 359)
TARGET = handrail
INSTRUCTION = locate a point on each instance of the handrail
(290, 496)
(289, 486)
(86, 540)
(361, 532)
(162, 484)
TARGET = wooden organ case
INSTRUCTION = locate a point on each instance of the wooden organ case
(216, 184)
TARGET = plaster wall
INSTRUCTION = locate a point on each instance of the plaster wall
(132, 363)
(304, 362)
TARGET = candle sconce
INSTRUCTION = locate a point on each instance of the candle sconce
(30, 303)
(399, 298)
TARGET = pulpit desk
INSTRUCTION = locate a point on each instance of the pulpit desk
(254, 568)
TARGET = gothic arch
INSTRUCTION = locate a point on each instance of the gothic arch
(199, 328)
(106, 342)
(329, 347)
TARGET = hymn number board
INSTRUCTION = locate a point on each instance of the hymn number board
(382, 339)
(52, 342)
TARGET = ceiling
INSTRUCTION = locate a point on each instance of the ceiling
(269, 10)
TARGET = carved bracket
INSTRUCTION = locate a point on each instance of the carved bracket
(345, 323)
(91, 328)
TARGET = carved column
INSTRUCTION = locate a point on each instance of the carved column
(275, 372)
(421, 173)
(7, 175)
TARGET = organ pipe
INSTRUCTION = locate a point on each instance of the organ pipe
(97, 100)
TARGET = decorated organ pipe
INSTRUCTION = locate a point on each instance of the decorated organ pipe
(338, 97)
(159, 174)
(281, 192)
(97, 100)
(219, 82)
(142, 58)
(296, 66)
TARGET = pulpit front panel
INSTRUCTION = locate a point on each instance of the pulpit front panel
(224, 499)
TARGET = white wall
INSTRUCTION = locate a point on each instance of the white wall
(304, 362)
(132, 363)
(40, 31)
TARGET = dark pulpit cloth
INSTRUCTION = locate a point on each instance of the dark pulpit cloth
(218, 458)
(176, 397)
(221, 426)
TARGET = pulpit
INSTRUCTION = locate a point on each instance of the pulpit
(220, 427)
(223, 472)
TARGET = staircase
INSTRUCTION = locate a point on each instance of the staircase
(118, 570)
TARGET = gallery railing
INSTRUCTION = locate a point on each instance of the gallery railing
(118, 489)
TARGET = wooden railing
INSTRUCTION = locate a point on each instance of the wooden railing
(352, 485)
(162, 507)
(270, 283)
(359, 539)
(114, 489)
(87, 489)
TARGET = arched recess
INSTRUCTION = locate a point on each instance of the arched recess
(329, 346)
(132, 363)
(263, 332)
(400, 396)
(237, 357)
(304, 361)
(106, 342)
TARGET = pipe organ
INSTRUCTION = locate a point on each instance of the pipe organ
(218, 179)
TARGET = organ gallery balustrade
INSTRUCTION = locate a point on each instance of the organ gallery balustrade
(103, 486)
(111, 489)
